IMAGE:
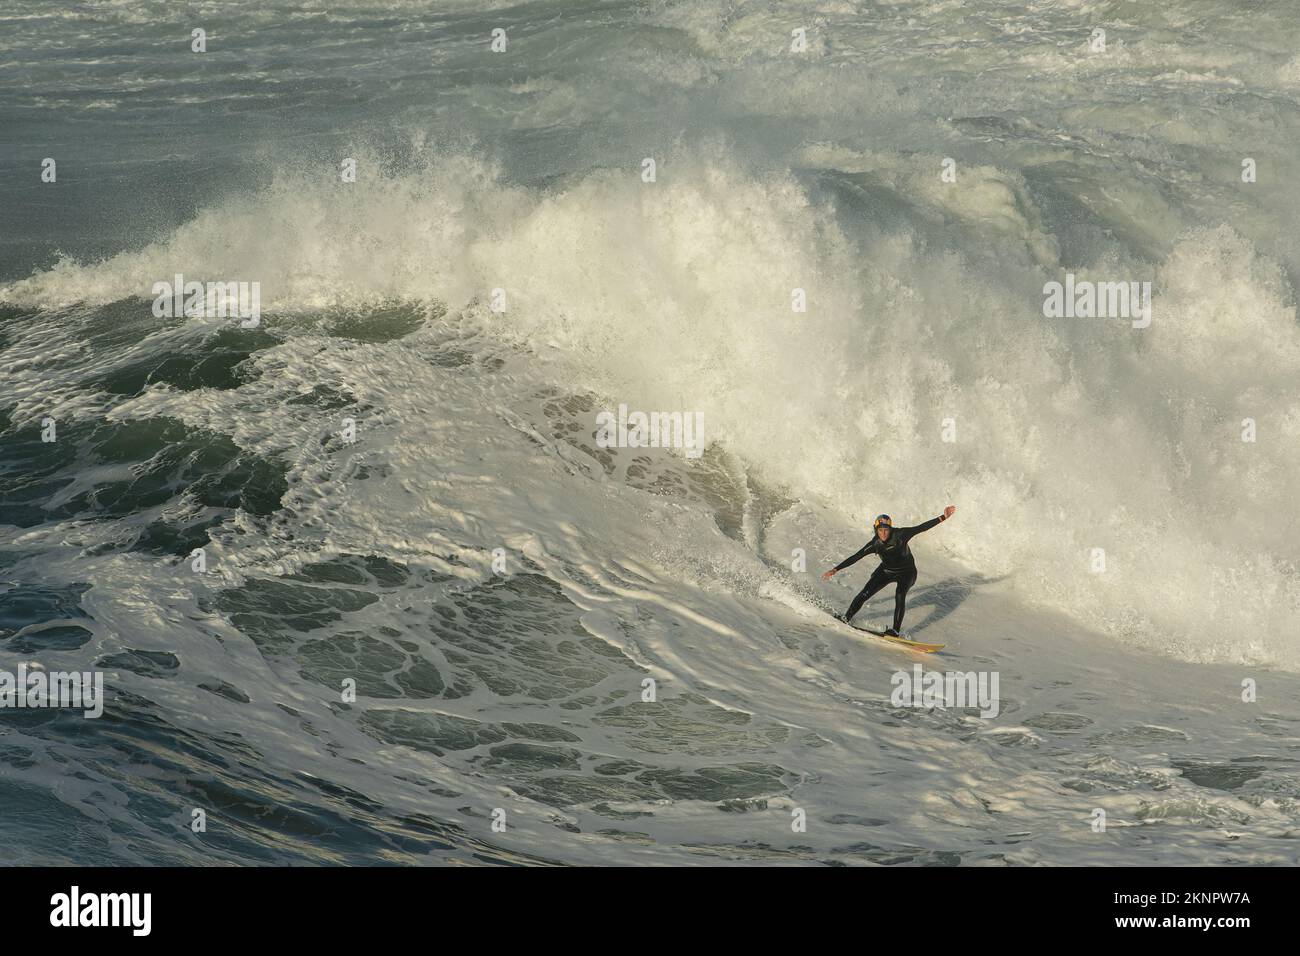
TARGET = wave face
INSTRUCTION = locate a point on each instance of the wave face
(522, 172)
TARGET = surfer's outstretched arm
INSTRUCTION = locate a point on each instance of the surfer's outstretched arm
(913, 531)
(866, 550)
(916, 529)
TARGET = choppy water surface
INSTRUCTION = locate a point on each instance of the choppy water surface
(522, 690)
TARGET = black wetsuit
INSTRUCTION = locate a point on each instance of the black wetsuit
(897, 566)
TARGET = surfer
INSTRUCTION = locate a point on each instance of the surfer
(897, 566)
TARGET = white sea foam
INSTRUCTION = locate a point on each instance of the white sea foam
(1072, 434)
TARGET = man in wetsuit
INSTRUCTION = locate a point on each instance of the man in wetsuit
(896, 564)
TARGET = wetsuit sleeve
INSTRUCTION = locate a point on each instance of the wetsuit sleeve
(912, 532)
(866, 550)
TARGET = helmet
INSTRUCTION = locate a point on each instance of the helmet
(887, 521)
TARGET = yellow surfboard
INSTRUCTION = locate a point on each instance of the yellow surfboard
(920, 646)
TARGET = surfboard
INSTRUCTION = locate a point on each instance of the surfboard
(901, 641)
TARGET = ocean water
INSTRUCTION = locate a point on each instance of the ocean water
(497, 585)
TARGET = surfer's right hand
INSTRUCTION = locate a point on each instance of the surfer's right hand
(828, 575)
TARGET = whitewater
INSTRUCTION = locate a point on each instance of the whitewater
(500, 586)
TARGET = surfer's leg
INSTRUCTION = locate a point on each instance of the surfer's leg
(900, 597)
(874, 584)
